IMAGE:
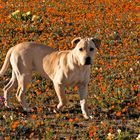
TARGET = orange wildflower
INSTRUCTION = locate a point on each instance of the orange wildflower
(31, 135)
(24, 123)
(111, 130)
(118, 113)
(76, 119)
(15, 124)
(138, 94)
(103, 89)
(33, 117)
(76, 88)
(38, 92)
(71, 120)
(90, 133)
(111, 52)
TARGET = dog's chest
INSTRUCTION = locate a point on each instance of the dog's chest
(76, 76)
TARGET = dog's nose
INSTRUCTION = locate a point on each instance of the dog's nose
(88, 61)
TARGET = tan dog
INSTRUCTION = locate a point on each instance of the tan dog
(64, 68)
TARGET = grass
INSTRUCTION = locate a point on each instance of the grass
(114, 98)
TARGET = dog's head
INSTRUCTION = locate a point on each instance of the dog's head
(85, 49)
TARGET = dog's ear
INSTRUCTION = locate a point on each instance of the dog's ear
(97, 42)
(75, 41)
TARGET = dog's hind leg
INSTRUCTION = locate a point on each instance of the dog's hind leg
(60, 93)
(11, 84)
(23, 80)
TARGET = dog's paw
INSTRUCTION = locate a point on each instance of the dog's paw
(9, 106)
(87, 117)
(91, 117)
(59, 106)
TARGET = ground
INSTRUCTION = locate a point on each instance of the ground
(114, 98)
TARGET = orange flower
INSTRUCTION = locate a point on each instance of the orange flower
(57, 115)
(111, 130)
(111, 52)
(2, 129)
(103, 89)
(38, 81)
(15, 124)
(76, 119)
(7, 138)
(138, 94)
(75, 88)
(47, 89)
(95, 128)
(124, 109)
(42, 123)
(31, 135)
(39, 109)
(138, 107)
(38, 92)
(125, 63)
(90, 133)
(33, 117)
(71, 120)
(118, 113)
(24, 123)
(112, 107)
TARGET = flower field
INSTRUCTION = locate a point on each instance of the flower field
(114, 88)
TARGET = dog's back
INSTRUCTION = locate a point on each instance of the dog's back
(30, 56)
(27, 55)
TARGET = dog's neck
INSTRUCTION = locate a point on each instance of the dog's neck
(75, 63)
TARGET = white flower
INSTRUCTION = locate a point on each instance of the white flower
(14, 13)
(101, 69)
(119, 131)
(110, 136)
(138, 137)
(96, 68)
(4, 116)
(130, 69)
(11, 117)
(34, 17)
(28, 13)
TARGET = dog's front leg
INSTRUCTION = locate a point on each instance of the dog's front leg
(83, 100)
(60, 93)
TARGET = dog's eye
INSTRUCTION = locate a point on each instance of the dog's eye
(91, 49)
(81, 49)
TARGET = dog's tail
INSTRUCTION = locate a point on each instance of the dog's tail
(6, 62)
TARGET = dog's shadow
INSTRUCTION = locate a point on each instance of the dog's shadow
(75, 109)
(16, 110)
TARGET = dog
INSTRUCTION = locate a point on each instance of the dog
(64, 68)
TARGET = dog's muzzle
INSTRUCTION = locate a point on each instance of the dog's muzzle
(88, 61)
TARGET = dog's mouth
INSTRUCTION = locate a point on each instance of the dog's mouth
(88, 61)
